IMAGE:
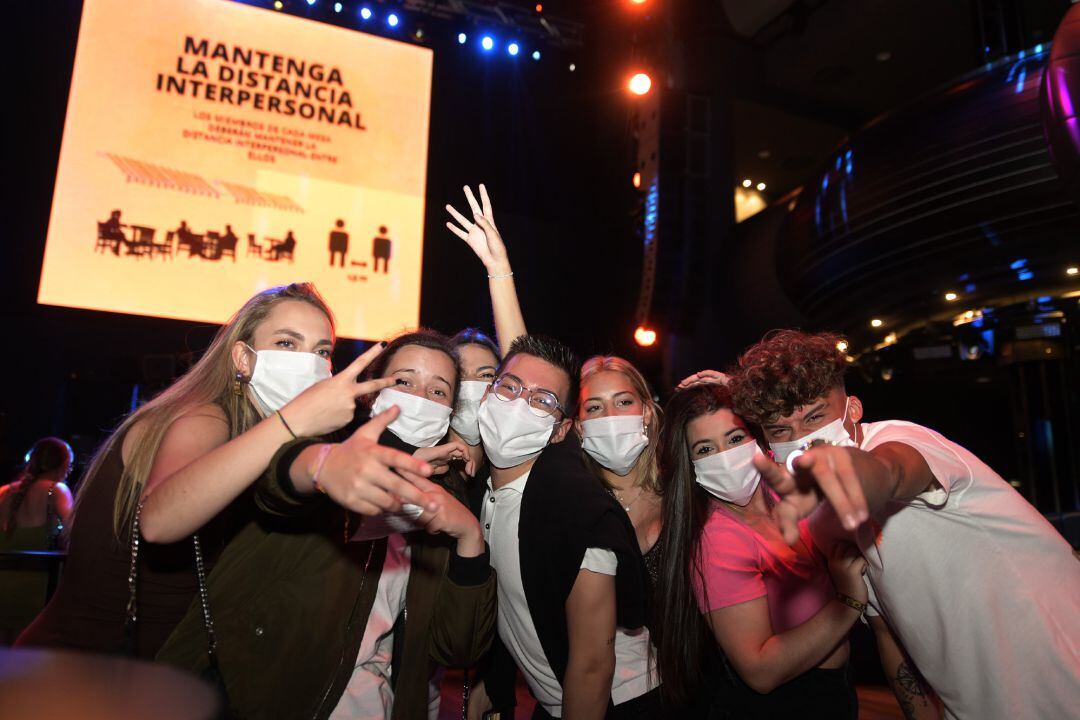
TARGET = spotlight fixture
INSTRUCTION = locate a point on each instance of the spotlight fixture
(951, 296)
(536, 55)
(337, 7)
(365, 13)
(876, 323)
(842, 346)
(640, 84)
(392, 20)
(278, 4)
(462, 38)
(645, 336)
(761, 187)
(487, 42)
(1073, 270)
(573, 67)
(636, 180)
(747, 182)
(513, 49)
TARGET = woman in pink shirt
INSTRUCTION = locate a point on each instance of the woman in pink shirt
(780, 620)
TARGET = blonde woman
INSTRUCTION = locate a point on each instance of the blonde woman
(186, 457)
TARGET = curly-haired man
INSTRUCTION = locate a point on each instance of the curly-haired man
(980, 590)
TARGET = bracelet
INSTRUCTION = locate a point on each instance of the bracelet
(499, 277)
(324, 452)
(851, 602)
(282, 418)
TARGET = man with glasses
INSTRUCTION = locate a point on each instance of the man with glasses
(571, 579)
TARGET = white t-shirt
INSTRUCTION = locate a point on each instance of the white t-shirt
(368, 695)
(634, 675)
(981, 590)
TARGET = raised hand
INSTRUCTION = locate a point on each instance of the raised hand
(368, 478)
(330, 404)
(441, 456)
(825, 471)
(480, 232)
(704, 377)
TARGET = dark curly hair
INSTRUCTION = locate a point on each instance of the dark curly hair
(786, 370)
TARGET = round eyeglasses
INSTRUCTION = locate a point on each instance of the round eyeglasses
(541, 402)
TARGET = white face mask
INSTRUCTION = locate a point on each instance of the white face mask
(730, 475)
(834, 433)
(421, 422)
(512, 433)
(281, 375)
(615, 441)
(465, 421)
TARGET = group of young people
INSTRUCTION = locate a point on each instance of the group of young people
(321, 544)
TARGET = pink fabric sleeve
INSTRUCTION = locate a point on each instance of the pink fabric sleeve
(731, 564)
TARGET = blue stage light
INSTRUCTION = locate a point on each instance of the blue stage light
(337, 7)
(513, 48)
(536, 54)
(392, 20)
(365, 13)
(461, 38)
(310, 2)
(487, 42)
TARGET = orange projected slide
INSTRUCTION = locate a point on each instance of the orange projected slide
(212, 150)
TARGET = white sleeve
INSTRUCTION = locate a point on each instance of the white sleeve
(599, 560)
(947, 466)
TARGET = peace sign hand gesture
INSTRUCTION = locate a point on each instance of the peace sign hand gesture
(480, 233)
(330, 404)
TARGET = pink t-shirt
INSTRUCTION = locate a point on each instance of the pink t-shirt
(740, 565)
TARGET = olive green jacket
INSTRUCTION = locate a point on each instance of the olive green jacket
(290, 600)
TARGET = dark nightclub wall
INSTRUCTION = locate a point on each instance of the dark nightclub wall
(551, 145)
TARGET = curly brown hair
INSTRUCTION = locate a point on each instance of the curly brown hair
(786, 370)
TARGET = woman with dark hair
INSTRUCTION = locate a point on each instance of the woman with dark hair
(399, 593)
(479, 358)
(780, 622)
(34, 508)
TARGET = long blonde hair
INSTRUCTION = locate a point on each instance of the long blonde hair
(648, 474)
(209, 381)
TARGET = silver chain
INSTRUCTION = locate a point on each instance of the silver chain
(133, 568)
(204, 598)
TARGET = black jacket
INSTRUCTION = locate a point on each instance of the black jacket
(564, 511)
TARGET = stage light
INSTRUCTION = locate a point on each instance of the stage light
(637, 180)
(539, 7)
(513, 48)
(311, 2)
(337, 7)
(645, 337)
(876, 323)
(365, 13)
(761, 186)
(747, 183)
(278, 4)
(419, 33)
(392, 20)
(640, 84)
(461, 38)
(487, 42)
(1072, 270)
(842, 346)
(951, 296)
(536, 54)
(573, 67)
(890, 339)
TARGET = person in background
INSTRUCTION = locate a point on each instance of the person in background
(779, 620)
(34, 509)
(479, 358)
(181, 465)
(980, 591)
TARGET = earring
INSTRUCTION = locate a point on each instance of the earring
(236, 385)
